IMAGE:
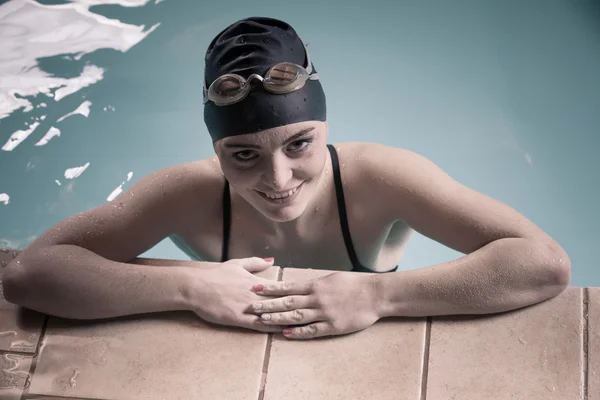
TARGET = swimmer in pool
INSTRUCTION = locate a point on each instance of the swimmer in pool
(277, 193)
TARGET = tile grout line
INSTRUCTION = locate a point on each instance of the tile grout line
(265, 368)
(425, 370)
(53, 396)
(267, 357)
(586, 327)
(36, 355)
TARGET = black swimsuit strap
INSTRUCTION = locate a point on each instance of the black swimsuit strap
(341, 202)
(226, 222)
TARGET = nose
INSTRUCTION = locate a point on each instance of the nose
(278, 172)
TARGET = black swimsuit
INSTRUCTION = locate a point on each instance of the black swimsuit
(339, 191)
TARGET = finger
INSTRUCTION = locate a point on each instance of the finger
(255, 264)
(287, 303)
(284, 288)
(318, 329)
(256, 324)
(295, 317)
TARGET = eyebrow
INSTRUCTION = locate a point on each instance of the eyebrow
(253, 146)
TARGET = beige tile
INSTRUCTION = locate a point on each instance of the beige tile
(14, 375)
(157, 356)
(534, 353)
(381, 362)
(594, 344)
(43, 397)
(20, 328)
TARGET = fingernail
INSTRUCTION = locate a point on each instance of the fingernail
(266, 317)
(258, 288)
(268, 259)
(257, 306)
(287, 331)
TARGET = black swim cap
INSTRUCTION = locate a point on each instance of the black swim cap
(253, 46)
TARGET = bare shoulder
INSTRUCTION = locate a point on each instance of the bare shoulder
(375, 154)
(407, 186)
(365, 162)
(155, 207)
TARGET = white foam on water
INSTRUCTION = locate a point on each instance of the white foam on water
(75, 172)
(52, 132)
(124, 3)
(90, 75)
(115, 193)
(4, 198)
(119, 189)
(31, 31)
(83, 109)
(18, 137)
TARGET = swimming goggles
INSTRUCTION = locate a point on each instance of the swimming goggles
(281, 78)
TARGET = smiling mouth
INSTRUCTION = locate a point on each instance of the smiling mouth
(280, 197)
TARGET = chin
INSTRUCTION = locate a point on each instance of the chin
(285, 215)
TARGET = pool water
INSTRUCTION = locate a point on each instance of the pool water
(504, 96)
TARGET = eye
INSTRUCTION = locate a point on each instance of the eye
(244, 155)
(299, 145)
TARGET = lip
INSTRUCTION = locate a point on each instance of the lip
(285, 200)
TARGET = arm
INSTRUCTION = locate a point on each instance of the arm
(509, 263)
(80, 267)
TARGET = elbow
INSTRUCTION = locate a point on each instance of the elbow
(16, 280)
(13, 283)
(556, 268)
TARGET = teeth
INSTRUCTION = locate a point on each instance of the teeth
(281, 195)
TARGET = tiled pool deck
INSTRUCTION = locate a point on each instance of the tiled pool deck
(547, 351)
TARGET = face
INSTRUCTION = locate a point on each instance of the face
(277, 170)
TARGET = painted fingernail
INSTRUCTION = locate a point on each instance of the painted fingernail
(258, 288)
(268, 259)
(287, 331)
(266, 317)
(257, 306)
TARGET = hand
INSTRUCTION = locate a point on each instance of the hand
(222, 294)
(339, 303)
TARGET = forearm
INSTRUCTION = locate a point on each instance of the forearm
(504, 275)
(72, 282)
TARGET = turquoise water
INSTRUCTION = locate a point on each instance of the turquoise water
(505, 96)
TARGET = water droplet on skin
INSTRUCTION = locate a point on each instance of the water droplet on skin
(14, 254)
(3, 264)
(523, 341)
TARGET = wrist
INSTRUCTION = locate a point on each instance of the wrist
(382, 297)
(181, 288)
(191, 284)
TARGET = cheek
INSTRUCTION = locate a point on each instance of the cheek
(238, 177)
(313, 165)
(242, 179)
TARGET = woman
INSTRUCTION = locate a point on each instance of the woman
(277, 189)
